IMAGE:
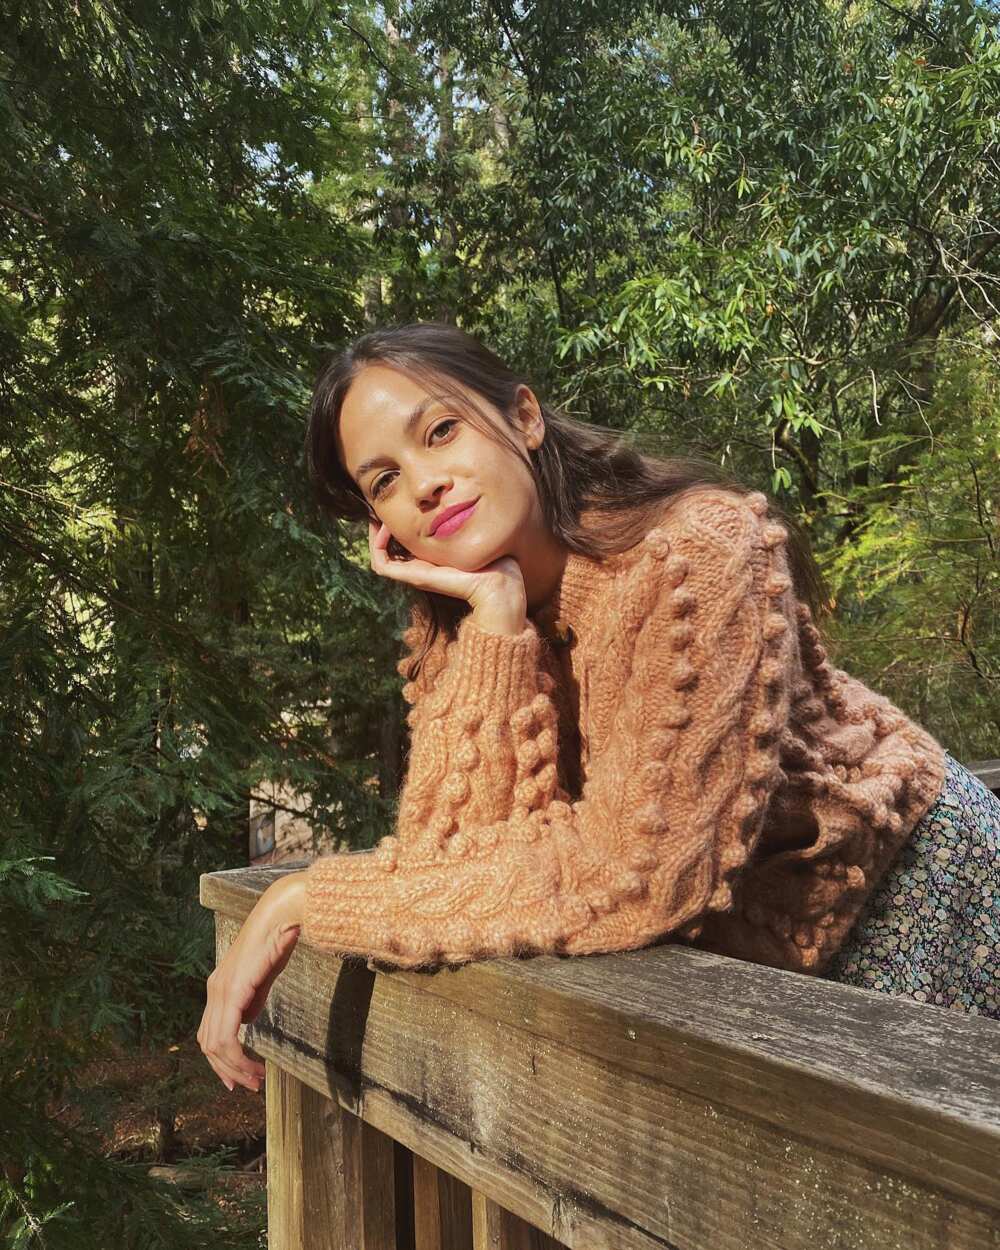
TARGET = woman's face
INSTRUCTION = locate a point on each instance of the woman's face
(413, 456)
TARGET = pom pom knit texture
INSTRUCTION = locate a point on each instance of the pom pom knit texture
(691, 767)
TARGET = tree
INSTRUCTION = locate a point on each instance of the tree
(767, 234)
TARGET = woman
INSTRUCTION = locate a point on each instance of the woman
(624, 725)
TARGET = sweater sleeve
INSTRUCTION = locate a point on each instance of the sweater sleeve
(473, 708)
(675, 795)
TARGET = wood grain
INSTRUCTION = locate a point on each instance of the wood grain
(665, 1097)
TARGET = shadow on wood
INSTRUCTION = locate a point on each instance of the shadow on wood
(649, 1099)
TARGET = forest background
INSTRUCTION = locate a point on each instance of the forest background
(768, 234)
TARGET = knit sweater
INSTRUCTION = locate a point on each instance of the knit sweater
(664, 753)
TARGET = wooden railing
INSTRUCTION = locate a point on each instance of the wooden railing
(988, 772)
(662, 1098)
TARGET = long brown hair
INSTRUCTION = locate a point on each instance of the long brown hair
(577, 467)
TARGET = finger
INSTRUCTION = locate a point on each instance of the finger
(414, 571)
(206, 1040)
(378, 537)
(232, 1076)
(380, 561)
(203, 1033)
(230, 1056)
(229, 1048)
(223, 1074)
(222, 1047)
(376, 549)
(241, 1071)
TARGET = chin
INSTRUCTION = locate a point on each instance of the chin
(469, 552)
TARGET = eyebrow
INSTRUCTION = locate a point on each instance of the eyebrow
(418, 412)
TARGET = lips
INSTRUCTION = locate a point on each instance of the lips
(453, 511)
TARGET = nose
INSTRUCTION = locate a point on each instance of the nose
(429, 493)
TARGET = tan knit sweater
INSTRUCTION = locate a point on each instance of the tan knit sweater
(687, 766)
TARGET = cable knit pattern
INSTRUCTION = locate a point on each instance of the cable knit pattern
(738, 792)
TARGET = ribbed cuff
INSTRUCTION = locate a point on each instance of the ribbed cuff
(341, 911)
(496, 670)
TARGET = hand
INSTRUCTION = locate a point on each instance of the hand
(498, 585)
(238, 987)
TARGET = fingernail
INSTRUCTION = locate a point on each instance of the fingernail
(228, 1084)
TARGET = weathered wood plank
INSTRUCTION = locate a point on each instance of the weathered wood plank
(902, 1084)
(427, 1233)
(988, 772)
(330, 1176)
(369, 1186)
(497, 1229)
(442, 1208)
(305, 1196)
(641, 1141)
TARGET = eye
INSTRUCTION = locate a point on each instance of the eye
(376, 487)
(442, 424)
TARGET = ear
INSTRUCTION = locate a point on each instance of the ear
(528, 414)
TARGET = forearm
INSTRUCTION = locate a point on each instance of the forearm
(284, 900)
(468, 750)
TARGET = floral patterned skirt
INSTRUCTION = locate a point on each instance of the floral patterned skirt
(931, 927)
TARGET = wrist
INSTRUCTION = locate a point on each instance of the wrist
(286, 900)
(494, 620)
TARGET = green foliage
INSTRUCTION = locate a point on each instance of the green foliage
(764, 234)
(919, 586)
(166, 593)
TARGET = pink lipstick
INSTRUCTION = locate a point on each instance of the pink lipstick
(455, 522)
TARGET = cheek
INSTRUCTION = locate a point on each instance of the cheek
(504, 469)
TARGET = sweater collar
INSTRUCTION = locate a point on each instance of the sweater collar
(571, 604)
(574, 604)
